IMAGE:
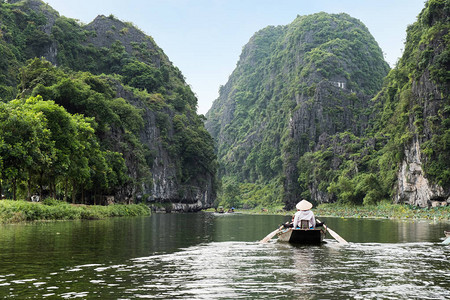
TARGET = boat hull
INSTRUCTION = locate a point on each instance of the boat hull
(302, 236)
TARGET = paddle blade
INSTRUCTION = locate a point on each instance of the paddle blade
(447, 241)
(337, 237)
(270, 236)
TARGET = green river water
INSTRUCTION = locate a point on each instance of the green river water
(217, 256)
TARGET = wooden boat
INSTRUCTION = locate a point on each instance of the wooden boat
(302, 236)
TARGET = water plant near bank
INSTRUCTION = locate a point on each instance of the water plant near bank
(384, 210)
(381, 210)
(51, 209)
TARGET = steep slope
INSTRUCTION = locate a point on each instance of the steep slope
(292, 86)
(102, 68)
(404, 155)
(416, 108)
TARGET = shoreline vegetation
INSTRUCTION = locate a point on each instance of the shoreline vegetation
(19, 211)
(53, 210)
(380, 211)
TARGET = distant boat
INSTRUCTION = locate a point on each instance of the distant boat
(302, 236)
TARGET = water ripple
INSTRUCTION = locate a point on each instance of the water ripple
(224, 270)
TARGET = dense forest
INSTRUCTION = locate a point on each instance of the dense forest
(95, 113)
(313, 111)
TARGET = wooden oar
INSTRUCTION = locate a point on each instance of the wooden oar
(271, 235)
(447, 240)
(336, 236)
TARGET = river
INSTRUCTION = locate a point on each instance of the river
(212, 256)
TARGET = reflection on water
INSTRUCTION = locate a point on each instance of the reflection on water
(202, 256)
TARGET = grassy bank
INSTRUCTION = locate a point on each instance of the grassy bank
(23, 211)
(383, 210)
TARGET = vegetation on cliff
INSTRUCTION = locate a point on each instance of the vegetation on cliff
(78, 103)
(416, 96)
(320, 62)
(309, 112)
(412, 107)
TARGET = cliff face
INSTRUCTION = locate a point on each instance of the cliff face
(412, 186)
(423, 178)
(172, 165)
(164, 190)
(332, 109)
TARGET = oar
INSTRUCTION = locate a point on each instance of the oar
(336, 236)
(271, 235)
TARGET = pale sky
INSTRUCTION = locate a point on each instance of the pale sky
(204, 38)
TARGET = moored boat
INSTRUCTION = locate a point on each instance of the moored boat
(302, 236)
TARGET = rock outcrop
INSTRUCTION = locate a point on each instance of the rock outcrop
(330, 110)
(413, 187)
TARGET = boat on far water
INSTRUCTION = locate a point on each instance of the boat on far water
(302, 236)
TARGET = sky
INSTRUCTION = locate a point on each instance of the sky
(204, 38)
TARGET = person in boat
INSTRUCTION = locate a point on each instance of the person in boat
(304, 213)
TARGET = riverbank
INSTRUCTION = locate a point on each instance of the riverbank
(382, 210)
(385, 211)
(24, 211)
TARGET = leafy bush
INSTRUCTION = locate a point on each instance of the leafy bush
(51, 209)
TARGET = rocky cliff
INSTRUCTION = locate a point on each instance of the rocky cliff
(423, 175)
(401, 153)
(166, 190)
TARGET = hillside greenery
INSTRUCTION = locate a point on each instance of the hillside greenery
(73, 131)
(368, 172)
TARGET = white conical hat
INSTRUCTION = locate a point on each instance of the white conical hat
(304, 205)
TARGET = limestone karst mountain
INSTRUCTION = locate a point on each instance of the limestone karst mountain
(293, 86)
(143, 109)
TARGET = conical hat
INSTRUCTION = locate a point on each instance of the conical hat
(304, 205)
